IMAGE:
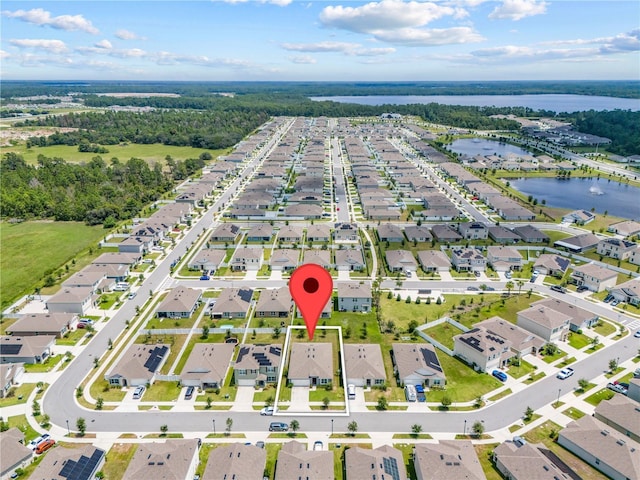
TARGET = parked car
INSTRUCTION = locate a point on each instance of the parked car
(132, 295)
(189, 393)
(473, 289)
(137, 393)
(86, 321)
(318, 445)
(420, 393)
(205, 277)
(476, 273)
(582, 288)
(558, 288)
(278, 427)
(260, 444)
(616, 387)
(44, 446)
(35, 442)
(637, 334)
(267, 411)
(500, 375)
(565, 373)
(615, 303)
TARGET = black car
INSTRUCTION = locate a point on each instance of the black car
(189, 393)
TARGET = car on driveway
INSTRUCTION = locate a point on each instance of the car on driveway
(137, 393)
(267, 411)
(189, 393)
(317, 445)
(565, 373)
(420, 393)
(500, 375)
(616, 387)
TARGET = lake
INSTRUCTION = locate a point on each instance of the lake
(617, 199)
(553, 102)
(477, 146)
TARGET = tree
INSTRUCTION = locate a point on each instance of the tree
(613, 365)
(36, 408)
(209, 403)
(478, 402)
(81, 426)
(509, 286)
(325, 402)
(382, 403)
(446, 401)
(295, 426)
(583, 383)
(416, 429)
(229, 423)
(595, 341)
(478, 428)
(99, 403)
(96, 362)
(110, 344)
(528, 414)
(353, 428)
(164, 429)
(205, 333)
(46, 420)
(276, 332)
(79, 391)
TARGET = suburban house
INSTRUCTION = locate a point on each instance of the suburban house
(207, 365)
(579, 243)
(136, 244)
(417, 364)
(284, 259)
(72, 300)
(15, 454)
(112, 272)
(551, 264)
(354, 297)
(611, 453)
(634, 389)
(445, 234)
(400, 261)
(579, 317)
(364, 365)
(389, 232)
(207, 260)
(369, 463)
(622, 414)
(290, 234)
(257, 365)
(447, 459)
(530, 234)
(56, 324)
(616, 248)
(119, 258)
(138, 365)
(275, 302)
(346, 233)
(236, 461)
(311, 364)
(246, 258)
(628, 292)
(522, 341)
(318, 233)
(172, 458)
(468, 260)
(303, 210)
(10, 375)
(418, 233)
(500, 234)
(581, 217)
(29, 350)
(482, 349)
(317, 256)
(551, 325)
(295, 462)
(226, 232)
(503, 259)
(434, 261)
(232, 303)
(261, 232)
(524, 461)
(473, 230)
(625, 228)
(181, 302)
(77, 462)
(85, 279)
(594, 277)
(350, 260)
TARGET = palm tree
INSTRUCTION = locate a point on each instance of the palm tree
(520, 284)
(509, 287)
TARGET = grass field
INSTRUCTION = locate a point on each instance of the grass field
(30, 249)
(118, 459)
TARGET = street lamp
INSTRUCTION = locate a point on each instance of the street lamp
(465, 428)
(332, 426)
(214, 426)
(558, 401)
(68, 431)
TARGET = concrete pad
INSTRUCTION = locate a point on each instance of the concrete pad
(244, 400)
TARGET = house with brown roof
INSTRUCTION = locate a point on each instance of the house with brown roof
(226, 232)
(400, 261)
(318, 233)
(29, 350)
(579, 217)
(56, 324)
(350, 259)
(77, 462)
(119, 258)
(373, 463)
(444, 233)
(246, 258)
(622, 414)
(207, 365)
(274, 302)
(10, 375)
(296, 462)
(418, 233)
(473, 230)
(207, 260)
(85, 279)
(389, 232)
(518, 461)
(304, 210)
(609, 452)
(483, 349)
(580, 317)
(503, 259)
(364, 365)
(180, 302)
(616, 248)
(417, 364)
(354, 297)
(311, 364)
(112, 272)
(346, 233)
(500, 234)
(232, 303)
(171, 459)
(522, 341)
(262, 232)
(72, 300)
(594, 277)
(531, 234)
(578, 243)
(625, 228)
(317, 256)
(14, 452)
(290, 234)
(468, 259)
(257, 365)
(434, 261)
(628, 292)
(284, 259)
(236, 461)
(447, 459)
(552, 264)
(138, 365)
(551, 325)
(136, 244)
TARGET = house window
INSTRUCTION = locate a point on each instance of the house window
(378, 381)
(271, 369)
(324, 381)
(114, 381)
(271, 378)
(242, 372)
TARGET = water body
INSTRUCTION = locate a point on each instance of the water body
(552, 102)
(477, 146)
(618, 199)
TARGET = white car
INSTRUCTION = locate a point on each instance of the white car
(267, 411)
(35, 442)
(565, 373)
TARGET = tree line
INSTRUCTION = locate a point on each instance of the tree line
(621, 126)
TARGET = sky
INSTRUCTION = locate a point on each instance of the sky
(344, 40)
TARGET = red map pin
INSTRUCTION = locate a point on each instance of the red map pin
(311, 287)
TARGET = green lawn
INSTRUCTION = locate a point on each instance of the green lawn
(21, 423)
(484, 452)
(336, 394)
(603, 394)
(580, 391)
(574, 413)
(525, 368)
(604, 328)
(71, 338)
(46, 366)
(578, 340)
(101, 388)
(552, 358)
(175, 342)
(17, 395)
(500, 395)
(162, 392)
(31, 249)
(463, 383)
(443, 333)
(118, 459)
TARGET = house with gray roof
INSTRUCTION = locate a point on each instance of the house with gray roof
(625, 228)
(284, 259)
(389, 232)
(578, 243)
(467, 259)
(622, 414)
(226, 232)
(522, 341)
(170, 459)
(14, 452)
(346, 233)
(354, 297)
(121, 258)
(138, 365)
(616, 248)
(136, 244)
(580, 217)
(304, 210)
(531, 234)
(594, 277)
(350, 260)
(246, 258)
(77, 462)
(29, 350)
(373, 463)
(236, 461)
(207, 259)
(552, 264)
(500, 234)
(518, 461)
(417, 364)
(610, 452)
(551, 325)
(317, 256)
(85, 279)
(416, 233)
(207, 365)
(72, 300)
(274, 302)
(628, 292)
(473, 230)
(318, 233)
(257, 365)
(580, 318)
(503, 259)
(112, 272)
(447, 459)
(180, 302)
(290, 234)
(483, 349)
(56, 324)
(444, 233)
(434, 261)
(364, 365)
(10, 375)
(295, 462)
(311, 364)
(400, 261)
(262, 232)
(232, 303)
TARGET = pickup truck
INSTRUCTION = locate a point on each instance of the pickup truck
(565, 373)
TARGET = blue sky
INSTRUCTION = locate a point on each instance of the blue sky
(387, 40)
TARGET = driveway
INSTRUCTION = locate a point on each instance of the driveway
(244, 400)
(276, 275)
(299, 400)
(343, 275)
(358, 404)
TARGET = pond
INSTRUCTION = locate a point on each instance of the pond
(617, 199)
(478, 146)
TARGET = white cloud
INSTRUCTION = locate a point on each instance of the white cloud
(104, 44)
(280, 3)
(427, 37)
(623, 42)
(4, 54)
(39, 16)
(303, 59)
(373, 52)
(53, 46)
(518, 9)
(320, 47)
(123, 34)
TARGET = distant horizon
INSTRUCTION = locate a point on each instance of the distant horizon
(116, 80)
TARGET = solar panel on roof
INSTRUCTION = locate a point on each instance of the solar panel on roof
(245, 294)
(155, 357)
(83, 468)
(391, 467)
(9, 349)
(431, 359)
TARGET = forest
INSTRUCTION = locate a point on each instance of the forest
(621, 126)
